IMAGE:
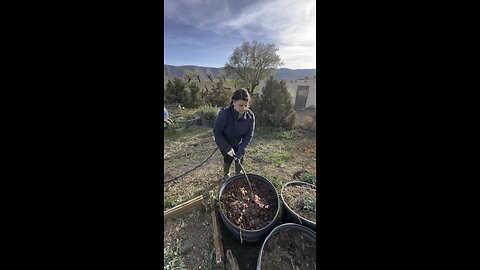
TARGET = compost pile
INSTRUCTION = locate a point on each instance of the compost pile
(289, 249)
(244, 212)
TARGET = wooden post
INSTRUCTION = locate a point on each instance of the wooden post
(185, 207)
(217, 235)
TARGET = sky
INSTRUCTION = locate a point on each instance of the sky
(206, 32)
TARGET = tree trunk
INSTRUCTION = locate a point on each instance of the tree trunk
(250, 91)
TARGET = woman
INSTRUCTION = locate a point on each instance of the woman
(233, 130)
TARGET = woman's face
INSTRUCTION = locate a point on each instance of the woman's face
(240, 106)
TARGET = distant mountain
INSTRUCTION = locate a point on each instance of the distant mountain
(282, 73)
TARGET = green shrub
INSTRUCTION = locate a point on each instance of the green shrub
(219, 96)
(209, 112)
(194, 98)
(309, 177)
(175, 92)
(274, 107)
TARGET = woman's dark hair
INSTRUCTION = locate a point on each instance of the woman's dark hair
(240, 94)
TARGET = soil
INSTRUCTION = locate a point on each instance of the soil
(195, 238)
(294, 197)
(289, 249)
(241, 210)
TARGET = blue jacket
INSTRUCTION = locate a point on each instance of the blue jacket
(229, 131)
(165, 112)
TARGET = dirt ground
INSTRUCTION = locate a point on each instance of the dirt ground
(275, 155)
(194, 234)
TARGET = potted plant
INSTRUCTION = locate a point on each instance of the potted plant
(289, 246)
(249, 217)
(299, 203)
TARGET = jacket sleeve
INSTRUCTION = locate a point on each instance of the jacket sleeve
(247, 138)
(218, 128)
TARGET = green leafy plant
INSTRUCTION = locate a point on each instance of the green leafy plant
(309, 177)
(168, 202)
(172, 258)
(309, 203)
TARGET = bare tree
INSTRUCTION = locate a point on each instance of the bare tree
(188, 75)
(209, 75)
(196, 73)
(253, 62)
(223, 76)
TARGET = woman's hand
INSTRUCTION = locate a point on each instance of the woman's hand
(231, 153)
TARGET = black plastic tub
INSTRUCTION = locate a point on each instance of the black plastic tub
(291, 216)
(308, 233)
(249, 236)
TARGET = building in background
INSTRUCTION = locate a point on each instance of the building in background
(303, 91)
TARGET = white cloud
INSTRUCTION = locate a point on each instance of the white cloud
(290, 24)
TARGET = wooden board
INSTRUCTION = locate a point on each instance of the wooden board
(217, 234)
(183, 208)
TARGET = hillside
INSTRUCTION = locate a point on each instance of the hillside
(282, 73)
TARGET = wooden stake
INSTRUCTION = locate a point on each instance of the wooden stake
(232, 260)
(217, 235)
(185, 207)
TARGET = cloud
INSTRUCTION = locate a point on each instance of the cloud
(287, 23)
(290, 24)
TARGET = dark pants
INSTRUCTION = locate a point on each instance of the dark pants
(227, 160)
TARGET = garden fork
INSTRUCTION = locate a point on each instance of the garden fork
(252, 195)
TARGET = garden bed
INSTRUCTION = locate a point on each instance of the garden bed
(289, 249)
(302, 200)
(244, 212)
(188, 241)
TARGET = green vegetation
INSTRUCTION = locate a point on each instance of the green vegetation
(169, 202)
(209, 112)
(275, 180)
(175, 92)
(309, 203)
(275, 133)
(172, 259)
(194, 98)
(279, 159)
(253, 62)
(219, 95)
(274, 108)
(287, 135)
(309, 177)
